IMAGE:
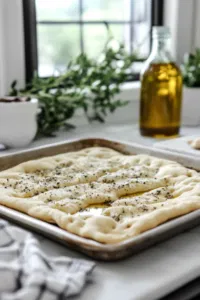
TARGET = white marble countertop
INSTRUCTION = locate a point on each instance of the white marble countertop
(158, 270)
(125, 132)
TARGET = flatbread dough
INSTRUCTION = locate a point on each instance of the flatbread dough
(195, 143)
(101, 194)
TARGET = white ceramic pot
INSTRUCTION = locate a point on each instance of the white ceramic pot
(18, 123)
(191, 106)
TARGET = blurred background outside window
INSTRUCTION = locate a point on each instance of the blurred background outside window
(65, 28)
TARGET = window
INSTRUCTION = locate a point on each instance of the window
(58, 30)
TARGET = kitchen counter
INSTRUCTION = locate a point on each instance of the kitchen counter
(160, 269)
(124, 132)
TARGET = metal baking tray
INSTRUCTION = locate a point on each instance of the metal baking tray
(89, 247)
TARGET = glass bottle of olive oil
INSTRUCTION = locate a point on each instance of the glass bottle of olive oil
(161, 89)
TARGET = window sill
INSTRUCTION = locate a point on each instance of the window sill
(130, 91)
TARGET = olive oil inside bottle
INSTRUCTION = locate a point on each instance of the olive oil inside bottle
(160, 102)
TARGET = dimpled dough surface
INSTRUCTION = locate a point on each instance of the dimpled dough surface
(101, 194)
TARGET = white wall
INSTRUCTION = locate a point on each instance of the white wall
(12, 62)
(180, 16)
(197, 25)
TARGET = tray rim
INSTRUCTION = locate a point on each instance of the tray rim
(6, 211)
(85, 244)
(99, 139)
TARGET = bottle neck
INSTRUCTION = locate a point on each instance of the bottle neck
(159, 45)
(159, 51)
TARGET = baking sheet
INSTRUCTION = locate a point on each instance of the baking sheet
(90, 247)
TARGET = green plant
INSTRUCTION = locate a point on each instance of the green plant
(191, 69)
(90, 85)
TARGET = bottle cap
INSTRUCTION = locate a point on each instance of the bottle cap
(161, 32)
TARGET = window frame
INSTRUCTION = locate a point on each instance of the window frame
(30, 32)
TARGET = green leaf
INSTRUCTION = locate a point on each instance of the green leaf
(191, 69)
(88, 84)
(13, 84)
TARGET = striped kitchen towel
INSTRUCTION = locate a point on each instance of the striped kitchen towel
(26, 272)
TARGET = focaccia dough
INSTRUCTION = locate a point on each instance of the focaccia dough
(195, 143)
(101, 194)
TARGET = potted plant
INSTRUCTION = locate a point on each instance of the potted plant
(18, 124)
(89, 85)
(191, 91)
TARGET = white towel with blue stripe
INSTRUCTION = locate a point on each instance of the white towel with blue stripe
(26, 272)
